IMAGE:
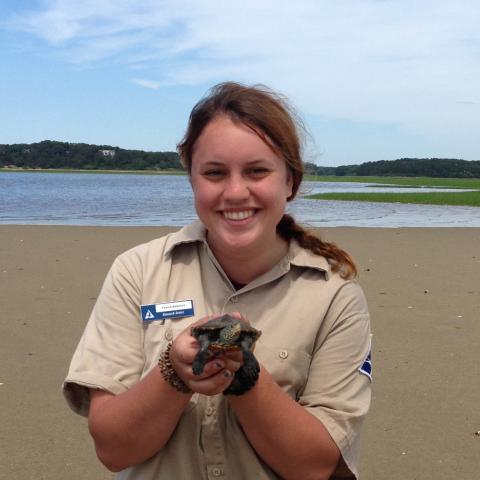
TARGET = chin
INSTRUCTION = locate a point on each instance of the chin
(236, 241)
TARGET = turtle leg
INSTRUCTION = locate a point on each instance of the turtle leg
(247, 375)
(202, 356)
(250, 367)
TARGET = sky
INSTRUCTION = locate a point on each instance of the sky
(371, 79)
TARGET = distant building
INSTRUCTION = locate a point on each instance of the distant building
(107, 153)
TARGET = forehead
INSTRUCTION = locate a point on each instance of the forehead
(224, 137)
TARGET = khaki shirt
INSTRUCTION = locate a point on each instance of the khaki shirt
(315, 339)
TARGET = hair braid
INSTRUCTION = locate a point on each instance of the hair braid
(339, 260)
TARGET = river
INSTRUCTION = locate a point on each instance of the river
(35, 198)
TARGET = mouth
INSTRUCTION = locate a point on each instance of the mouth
(238, 215)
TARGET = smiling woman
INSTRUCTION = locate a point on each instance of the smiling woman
(240, 187)
(246, 258)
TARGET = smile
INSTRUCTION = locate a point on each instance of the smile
(242, 215)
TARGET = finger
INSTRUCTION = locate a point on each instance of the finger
(232, 365)
(212, 367)
(241, 317)
(235, 355)
(205, 319)
(214, 384)
(220, 362)
(183, 350)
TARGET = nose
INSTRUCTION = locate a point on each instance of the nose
(236, 189)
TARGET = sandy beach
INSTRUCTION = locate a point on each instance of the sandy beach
(423, 288)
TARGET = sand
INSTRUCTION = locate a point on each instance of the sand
(423, 288)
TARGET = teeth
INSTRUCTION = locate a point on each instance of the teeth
(238, 215)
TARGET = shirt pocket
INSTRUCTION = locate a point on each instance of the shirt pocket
(289, 367)
(157, 335)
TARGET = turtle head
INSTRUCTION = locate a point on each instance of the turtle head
(229, 334)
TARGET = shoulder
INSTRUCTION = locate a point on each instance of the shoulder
(349, 294)
(162, 248)
(318, 268)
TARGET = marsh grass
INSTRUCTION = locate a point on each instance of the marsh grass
(404, 181)
(433, 198)
(471, 198)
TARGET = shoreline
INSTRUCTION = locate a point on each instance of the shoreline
(468, 194)
(423, 292)
(81, 170)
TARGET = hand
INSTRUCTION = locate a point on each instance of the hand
(218, 372)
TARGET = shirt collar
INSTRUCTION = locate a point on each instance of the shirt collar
(302, 257)
(195, 232)
(297, 256)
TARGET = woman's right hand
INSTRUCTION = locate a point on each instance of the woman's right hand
(218, 372)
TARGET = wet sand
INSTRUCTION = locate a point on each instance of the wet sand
(423, 288)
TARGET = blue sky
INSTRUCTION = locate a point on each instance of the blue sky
(372, 79)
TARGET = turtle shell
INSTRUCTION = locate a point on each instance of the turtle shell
(214, 327)
(223, 334)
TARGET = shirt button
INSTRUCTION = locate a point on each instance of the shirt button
(234, 299)
(283, 354)
(216, 472)
(209, 411)
(169, 336)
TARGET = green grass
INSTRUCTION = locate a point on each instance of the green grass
(433, 198)
(427, 198)
(404, 181)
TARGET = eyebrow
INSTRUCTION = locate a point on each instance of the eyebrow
(249, 163)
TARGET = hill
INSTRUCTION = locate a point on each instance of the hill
(414, 167)
(404, 167)
(51, 154)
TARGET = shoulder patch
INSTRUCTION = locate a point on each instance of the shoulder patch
(366, 367)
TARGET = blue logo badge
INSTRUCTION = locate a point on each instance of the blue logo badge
(366, 367)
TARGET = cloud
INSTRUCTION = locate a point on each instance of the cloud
(147, 83)
(402, 62)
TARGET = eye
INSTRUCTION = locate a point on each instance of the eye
(213, 173)
(258, 172)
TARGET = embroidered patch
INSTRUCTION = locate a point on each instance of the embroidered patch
(366, 367)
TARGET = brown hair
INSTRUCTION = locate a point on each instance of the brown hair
(271, 117)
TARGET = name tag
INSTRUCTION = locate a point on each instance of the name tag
(162, 311)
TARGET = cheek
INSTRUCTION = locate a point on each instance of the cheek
(203, 195)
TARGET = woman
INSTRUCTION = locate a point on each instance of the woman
(303, 417)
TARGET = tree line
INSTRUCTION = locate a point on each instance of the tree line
(405, 167)
(51, 154)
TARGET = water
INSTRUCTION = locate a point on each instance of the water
(153, 200)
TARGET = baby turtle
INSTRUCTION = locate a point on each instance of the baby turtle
(227, 333)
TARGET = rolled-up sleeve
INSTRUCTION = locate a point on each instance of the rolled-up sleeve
(338, 389)
(109, 355)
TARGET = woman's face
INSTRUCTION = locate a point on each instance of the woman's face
(240, 187)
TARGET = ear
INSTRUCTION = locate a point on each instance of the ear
(289, 185)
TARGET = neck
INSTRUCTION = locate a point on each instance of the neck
(242, 265)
